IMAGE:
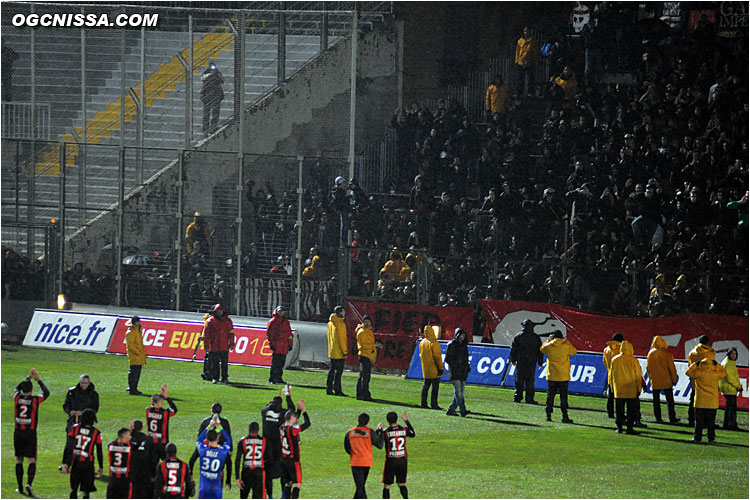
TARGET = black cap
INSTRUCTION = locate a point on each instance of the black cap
(527, 322)
(558, 334)
(135, 318)
(366, 317)
(617, 337)
(703, 339)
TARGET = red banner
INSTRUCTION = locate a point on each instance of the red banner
(398, 326)
(590, 332)
(177, 339)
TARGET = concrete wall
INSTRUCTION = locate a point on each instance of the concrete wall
(309, 112)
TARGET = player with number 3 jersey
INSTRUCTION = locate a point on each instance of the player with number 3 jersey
(395, 454)
(120, 454)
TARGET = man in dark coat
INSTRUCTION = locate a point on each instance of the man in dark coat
(273, 418)
(80, 397)
(457, 359)
(525, 354)
(141, 461)
(211, 95)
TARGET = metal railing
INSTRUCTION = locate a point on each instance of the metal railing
(20, 122)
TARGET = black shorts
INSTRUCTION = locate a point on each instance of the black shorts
(253, 479)
(119, 487)
(24, 442)
(395, 467)
(291, 472)
(82, 476)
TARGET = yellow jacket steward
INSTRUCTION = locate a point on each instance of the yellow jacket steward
(626, 376)
(558, 353)
(699, 352)
(193, 234)
(730, 385)
(366, 343)
(337, 338)
(705, 376)
(612, 350)
(134, 343)
(524, 51)
(660, 365)
(429, 353)
(497, 99)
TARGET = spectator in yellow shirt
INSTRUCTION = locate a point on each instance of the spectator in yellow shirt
(497, 99)
(524, 62)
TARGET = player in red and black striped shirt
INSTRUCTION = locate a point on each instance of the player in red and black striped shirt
(395, 454)
(83, 441)
(157, 422)
(249, 466)
(120, 454)
(173, 478)
(291, 471)
(26, 416)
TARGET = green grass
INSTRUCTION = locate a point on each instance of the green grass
(502, 450)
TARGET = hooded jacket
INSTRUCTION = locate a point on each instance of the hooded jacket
(337, 348)
(524, 51)
(206, 340)
(457, 357)
(612, 350)
(699, 352)
(197, 232)
(660, 365)
(625, 375)
(497, 99)
(525, 350)
(430, 354)
(366, 343)
(220, 331)
(278, 332)
(705, 376)
(730, 385)
(558, 353)
(134, 342)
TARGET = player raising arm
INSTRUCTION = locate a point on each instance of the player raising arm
(26, 413)
(395, 454)
(213, 457)
(291, 471)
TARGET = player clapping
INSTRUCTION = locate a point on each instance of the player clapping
(26, 413)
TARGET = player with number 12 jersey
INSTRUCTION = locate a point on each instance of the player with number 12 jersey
(395, 454)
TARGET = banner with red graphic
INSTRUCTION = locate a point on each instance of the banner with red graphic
(590, 332)
(177, 339)
(398, 326)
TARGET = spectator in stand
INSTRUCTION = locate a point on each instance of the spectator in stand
(211, 95)
(197, 235)
(525, 57)
(497, 99)
(568, 83)
(340, 204)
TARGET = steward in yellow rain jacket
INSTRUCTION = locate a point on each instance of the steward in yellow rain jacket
(663, 376)
(337, 350)
(705, 375)
(136, 353)
(367, 355)
(695, 356)
(432, 366)
(558, 351)
(612, 350)
(729, 387)
(626, 379)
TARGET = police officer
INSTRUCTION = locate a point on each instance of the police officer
(525, 354)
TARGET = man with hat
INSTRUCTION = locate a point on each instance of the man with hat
(197, 235)
(525, 354)
(279, 333)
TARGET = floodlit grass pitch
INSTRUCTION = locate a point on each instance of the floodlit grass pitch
(502, 450)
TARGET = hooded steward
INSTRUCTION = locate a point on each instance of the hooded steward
(660, 365)
(337, 348)
(705, 376)
(626, 376)
(366, 343)
(278, 332)
(558, 353)
(430, 354)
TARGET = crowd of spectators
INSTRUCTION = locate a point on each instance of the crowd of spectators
(618, 185)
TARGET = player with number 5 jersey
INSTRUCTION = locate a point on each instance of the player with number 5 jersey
(173, 478)
(395, 454)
